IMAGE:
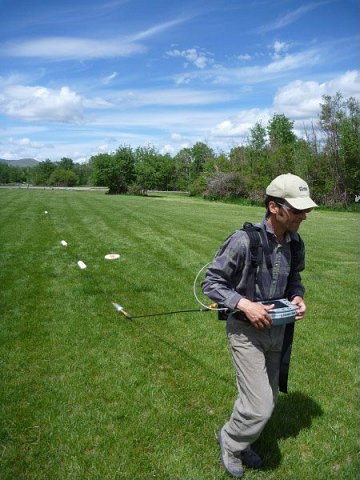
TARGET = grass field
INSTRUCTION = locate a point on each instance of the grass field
(88, 394)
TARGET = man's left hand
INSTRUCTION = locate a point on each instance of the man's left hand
(301, 307)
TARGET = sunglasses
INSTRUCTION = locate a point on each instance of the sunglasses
(293, 210)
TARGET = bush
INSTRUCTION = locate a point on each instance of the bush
(117, 184)
(198, 186)
(136, 189)
(226, 185)
(61, 177)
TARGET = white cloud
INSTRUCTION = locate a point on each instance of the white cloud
(71, 48)
(194, 56)
(11, 80)
(189, 122)
(109, 78)
(15, 148)
(292, 62)
(176, 137)
(244, 56)
(280, 48)
(167, 149)
(170, 97)
(348, 84)
(27, 143)
(184, 78)
(40, 103)
(96, 103)
(298, 100)
(220, 75)
(104, 148)
(290, 17)
(239, 125)
(301, 100)
(159, 28)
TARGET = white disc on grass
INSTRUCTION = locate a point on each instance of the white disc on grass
(112, 256)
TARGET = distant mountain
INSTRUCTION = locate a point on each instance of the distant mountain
(22, 162)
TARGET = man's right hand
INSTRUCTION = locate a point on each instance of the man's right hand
(256, 313)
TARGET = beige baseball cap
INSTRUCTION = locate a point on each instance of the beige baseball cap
(293, 189)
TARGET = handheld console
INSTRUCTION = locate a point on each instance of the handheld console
(283, 311)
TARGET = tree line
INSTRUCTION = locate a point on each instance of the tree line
(328, 157)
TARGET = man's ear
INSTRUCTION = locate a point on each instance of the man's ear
(273, 207)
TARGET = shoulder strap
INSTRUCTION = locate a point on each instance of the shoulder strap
(255, 242)
(256, 259)
(256, 252)
(296, 247)
(258, 247)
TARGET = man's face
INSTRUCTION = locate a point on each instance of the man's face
(287, 217)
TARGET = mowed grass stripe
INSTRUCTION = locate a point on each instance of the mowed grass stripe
(62, 335)
(89, 394)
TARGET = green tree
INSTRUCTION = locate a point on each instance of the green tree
(258, 156)
(100, 165)
(66, 163)
(17, 174)
(282, 141)
(153, 170)
(145, 168)
(200, 155)
(222, 163)
(4, 173)
(183, 161)
(350, 147)
(41, 173)
(257, 139)
(83, 171)
(280, 131)
(340, 121)
(239, 160)
(167, 173)
(331, 116)
(125, 160)
(115, 171)
(62, 177)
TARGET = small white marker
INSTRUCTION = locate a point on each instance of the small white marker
(46, 212)
(81, 264)
(112, 256)
(63, 243)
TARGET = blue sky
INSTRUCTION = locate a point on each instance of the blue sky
(83, 77)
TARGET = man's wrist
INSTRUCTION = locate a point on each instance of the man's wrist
(243, 304)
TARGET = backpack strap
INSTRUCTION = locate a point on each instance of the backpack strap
(255, 260)
(259, 247)
(297, 247)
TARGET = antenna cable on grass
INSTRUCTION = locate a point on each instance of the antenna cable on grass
(212, 307)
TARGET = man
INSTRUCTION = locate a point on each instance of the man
(255, 344)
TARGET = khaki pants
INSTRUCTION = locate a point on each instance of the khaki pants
(256, 357)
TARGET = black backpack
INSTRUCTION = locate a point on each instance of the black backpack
(258, 246)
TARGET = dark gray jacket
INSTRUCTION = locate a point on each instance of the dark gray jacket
(227, 277)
